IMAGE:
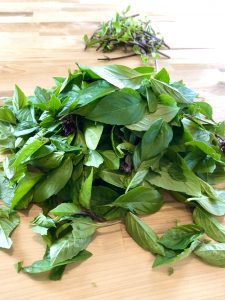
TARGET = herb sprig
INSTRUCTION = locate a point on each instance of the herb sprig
(134, 36)
(98, 149)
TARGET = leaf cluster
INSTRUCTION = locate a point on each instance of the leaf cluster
(131, 35)
(100, 147)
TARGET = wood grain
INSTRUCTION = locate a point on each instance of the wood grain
(42, 39)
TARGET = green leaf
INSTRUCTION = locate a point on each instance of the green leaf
(119, 108)
(50, 161)
(72, 243)
(92, 135)
(171, 256)
(44, 265)
(42, 223)
(6, 115)
(180, 237)
(7, 138)
(143, 235)
(212, 227)
(111, 160)
(54, 104)
(160, 87)
(120, 76)
(140, 200)
(186, 92)
(94, 159)
(85, 191)
(19, 98)
(191, 185)
(8, 222)
(212, 254)
(163, 76)
(151, 99)
(205, 148)
(24, 186)
(156, 139)
(6, 191)
(213, 206)
(113, 177)
(94, 91)
(31, 146)
(164, 112)
(54, 182)
(65, 209)
(136, 179)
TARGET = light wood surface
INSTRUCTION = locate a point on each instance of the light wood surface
(42, 39)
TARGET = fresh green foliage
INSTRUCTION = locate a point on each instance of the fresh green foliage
(211, 225)
(8, 222)
(128, 33)
(102, 147)
(143, 235)
(212, 254)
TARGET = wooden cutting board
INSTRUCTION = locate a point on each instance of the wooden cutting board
(42, 39)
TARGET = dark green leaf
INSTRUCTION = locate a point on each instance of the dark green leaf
(65, 209)
(119, 108)
(171, 256)
(140, 200)
(156, 139)
(180, 237)
(24, 186)
(54, 182)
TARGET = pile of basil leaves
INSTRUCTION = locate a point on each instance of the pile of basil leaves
(101, 147)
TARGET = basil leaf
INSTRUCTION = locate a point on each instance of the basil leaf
(6, 115)
(42, 223)
(156, 139)
(44, 265)
(111, 160)
(94, 159)
(54, 182)
(212, 227)
(119, 108)
(213, 206)
(212, 254)
(85, 190)
(113, 177)
(163, 76)
(160, 87)
(65, 209)
(23, 187)
(171, 256)
(143, 235)
(120, 76)
(164, 112)
(50, 161)
(180, 237)
(72, 243)
(191, 185)
(140, 200)
(92, 135)
(31, 146)
(19, 99)
(94, 91)
(8, 222)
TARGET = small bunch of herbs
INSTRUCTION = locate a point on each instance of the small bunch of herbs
(129, 34)
(101, 147)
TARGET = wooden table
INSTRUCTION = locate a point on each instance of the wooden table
(42, 39)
